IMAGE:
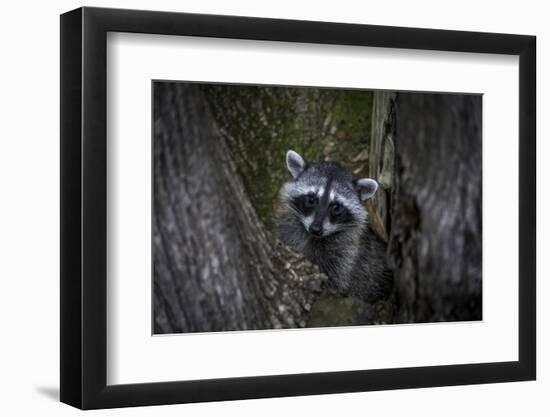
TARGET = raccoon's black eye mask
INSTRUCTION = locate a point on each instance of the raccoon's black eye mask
(338, 213)
(311, 200)
(305, 203)
(309, 203)
(336, 209)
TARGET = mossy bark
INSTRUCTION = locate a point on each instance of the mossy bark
(215, 266)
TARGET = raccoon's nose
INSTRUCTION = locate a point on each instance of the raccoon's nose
(316, 229)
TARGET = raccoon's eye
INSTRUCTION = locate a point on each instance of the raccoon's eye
(310, 200)
(336, 209)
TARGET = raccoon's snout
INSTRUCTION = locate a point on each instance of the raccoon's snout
(316, 229)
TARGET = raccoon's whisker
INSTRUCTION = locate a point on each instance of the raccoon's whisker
(349, 226)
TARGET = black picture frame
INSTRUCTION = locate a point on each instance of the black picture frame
(84, 207)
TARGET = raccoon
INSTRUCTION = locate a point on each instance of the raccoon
(322, 216)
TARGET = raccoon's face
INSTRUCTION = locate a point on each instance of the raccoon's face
(325, 197)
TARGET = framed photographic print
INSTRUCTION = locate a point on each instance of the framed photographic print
(257, 207)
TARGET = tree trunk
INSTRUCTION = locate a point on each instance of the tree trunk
(381, 158)
(215, 266)
(435, 239)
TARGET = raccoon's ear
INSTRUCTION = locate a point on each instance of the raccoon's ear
(295, 163)
(366, 187)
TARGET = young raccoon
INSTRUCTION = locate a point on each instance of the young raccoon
(322, 216)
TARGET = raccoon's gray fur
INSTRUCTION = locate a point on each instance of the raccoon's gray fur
(322, 216)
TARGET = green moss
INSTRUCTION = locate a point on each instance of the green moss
(332, 309)
(261, 123)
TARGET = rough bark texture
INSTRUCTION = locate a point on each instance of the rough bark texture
(215, 266)
(381, 157)
(436, 222)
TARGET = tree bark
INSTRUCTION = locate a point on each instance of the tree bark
(436, 223)
(215, 266)
(381, 158)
